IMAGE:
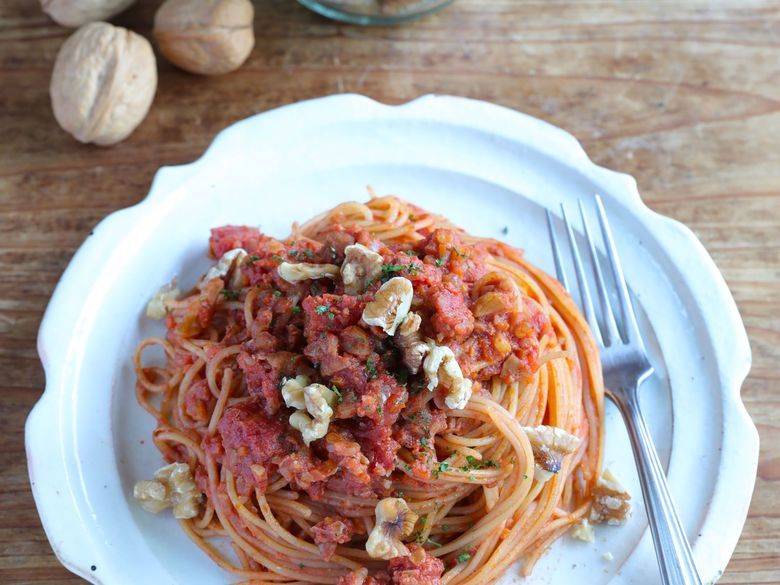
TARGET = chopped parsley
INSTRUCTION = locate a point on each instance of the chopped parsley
(439, 261)
(231, 295)
(412, 269)
(463, 557)
(424, 442)
(253, 258)
(410, 253)
(388, 269)
(445, 527)
(277, 257)
(323, 309)
(337, 392)
(473, 463)
(293, 253)
(277, 293)
(379, 410)
(371, 369)
(444, 466)
(309, 253)
(296, 309)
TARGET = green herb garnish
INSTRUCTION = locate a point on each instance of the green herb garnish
(371, 369)
(463, 557)
(296, 309)
(337, 392)
(231, 295)
(277, 257)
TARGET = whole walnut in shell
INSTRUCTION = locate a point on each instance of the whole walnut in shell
(74, 13)
(208, 37)
(103, 83)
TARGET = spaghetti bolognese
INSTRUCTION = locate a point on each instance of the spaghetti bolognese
(378, 398)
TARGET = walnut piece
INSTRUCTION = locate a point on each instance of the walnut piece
(292, 391)
(408, 340)
(583, 531)
(394, 521)
(361, 265)
(296, 272)
(103, 83)
(441, 368)
(611, 501)
(314, 404)
(74, 13)
(390, 305)
(208, 37)
(229, 268)
(172, 486)
(550, 445)
(157, 308)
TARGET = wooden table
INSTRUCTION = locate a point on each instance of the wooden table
(681, 94)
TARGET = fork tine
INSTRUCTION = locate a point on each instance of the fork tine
(611, 332)
(556, 252)
(626, 308)
(587, 302)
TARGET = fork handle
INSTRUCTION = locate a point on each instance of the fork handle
(671, 545)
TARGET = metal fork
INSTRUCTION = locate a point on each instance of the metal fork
(626, 366)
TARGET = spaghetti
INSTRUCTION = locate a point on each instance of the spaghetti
(474, 426)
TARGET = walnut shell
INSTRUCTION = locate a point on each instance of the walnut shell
(74, 13)
(208, 37)
(103, 83)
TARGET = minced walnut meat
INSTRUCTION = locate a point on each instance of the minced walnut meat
(611, 501)
(172, 486)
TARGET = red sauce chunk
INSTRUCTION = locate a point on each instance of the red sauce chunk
(417, 568)
(332, 531)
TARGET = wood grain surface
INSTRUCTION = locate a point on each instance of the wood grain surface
(681, 94)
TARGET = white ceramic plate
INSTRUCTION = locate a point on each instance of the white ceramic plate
(483, 166)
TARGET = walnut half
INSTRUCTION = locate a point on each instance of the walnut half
(361, 265)
(394, 521)
(550, 445)
(172, 486)
(314, 407)
(442, 369)
(390, 305)
(296, 272)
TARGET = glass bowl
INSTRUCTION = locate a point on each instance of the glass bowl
(375, 11)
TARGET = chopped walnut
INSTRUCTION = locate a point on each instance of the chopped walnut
(611, 501)
(390, 305)
(305, 271)
(228, 268)
(413, 349)
(292, 391)
(441, 368)
(361, 265)
(394, 521)
(173, 486)
(314, 420)
(583, 531)
(550, 445)
(157, 308)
